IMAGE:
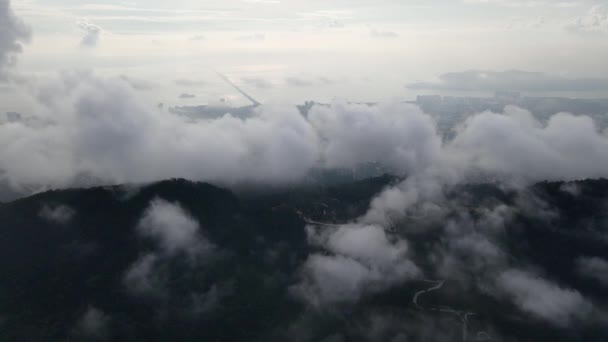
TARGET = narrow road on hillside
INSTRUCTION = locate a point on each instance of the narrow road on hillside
(463, 316)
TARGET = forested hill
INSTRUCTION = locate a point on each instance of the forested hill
(181, 260)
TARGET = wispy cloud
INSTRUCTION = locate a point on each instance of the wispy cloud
(92, 34)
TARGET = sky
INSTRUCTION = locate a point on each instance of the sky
(81, 86)
(289, 51)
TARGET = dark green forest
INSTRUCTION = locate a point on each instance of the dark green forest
(59, 269)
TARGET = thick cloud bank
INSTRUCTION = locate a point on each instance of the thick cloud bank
(13, 32)
(83, 127)
(399, 137)
(96, 128)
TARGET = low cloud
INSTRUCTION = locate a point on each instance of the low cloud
(595, 21)
(543, 299)
(513, 142)
(60, 214)
(593, 268)
(175, 233)
(400, 137)
(174, 229)
(94, 325)
(92, 34)
(143, 277)
(176, 237)
(512, 148)
(13, 33)
(99, 129)
(207, 302)
(470, 248)
(359, 259)
(511, 80)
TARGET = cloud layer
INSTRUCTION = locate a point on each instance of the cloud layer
(86, 128)
(13, 32)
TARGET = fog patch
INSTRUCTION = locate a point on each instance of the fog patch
(93, 325)
(593, 268)
(92, 34)
(543, 299)
(174, 229)
(357, 260)
(60, 214)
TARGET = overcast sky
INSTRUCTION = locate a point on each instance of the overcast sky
(293, 50)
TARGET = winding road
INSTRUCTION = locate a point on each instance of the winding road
(463, 316)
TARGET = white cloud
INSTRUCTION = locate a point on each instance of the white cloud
(515, 145)
(143, 277)
(92, 34)
(398, 136)
(174, 229)
(100, 128)
(13, 32)
(176, 233)
(362, 259)
(544, 299)
(512, 148)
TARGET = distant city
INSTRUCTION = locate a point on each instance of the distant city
(451, 110)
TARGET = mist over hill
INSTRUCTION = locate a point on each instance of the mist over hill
(157, 182)
(190, 261)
